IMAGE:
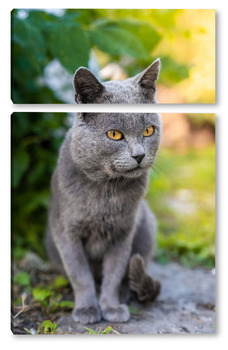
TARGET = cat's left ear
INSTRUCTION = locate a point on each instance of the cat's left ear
(87, 86)
(147, 78)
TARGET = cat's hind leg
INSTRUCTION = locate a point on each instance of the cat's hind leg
(146, 287)
(140, 282)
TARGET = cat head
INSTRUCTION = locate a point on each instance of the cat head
(114, 145)
(139, 89)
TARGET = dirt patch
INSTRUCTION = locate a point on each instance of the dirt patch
(185, 305)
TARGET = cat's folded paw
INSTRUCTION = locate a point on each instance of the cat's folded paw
(119, 313)
(86, 315)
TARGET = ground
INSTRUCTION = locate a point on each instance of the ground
(186, 304)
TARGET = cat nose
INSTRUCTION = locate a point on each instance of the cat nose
(139, 157)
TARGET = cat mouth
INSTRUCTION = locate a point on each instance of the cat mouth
(136, 170)
(132, 172)
(133, 169)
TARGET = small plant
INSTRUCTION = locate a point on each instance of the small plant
(107, 330)
(22, 279)
(50, 298)
(41, 295)
(60, 282)
(46, 327)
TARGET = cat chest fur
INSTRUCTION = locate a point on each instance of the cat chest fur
(100, 223)
(101, 233)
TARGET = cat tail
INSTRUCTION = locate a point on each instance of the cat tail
(140, 282)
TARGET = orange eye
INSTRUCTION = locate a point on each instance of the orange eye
(115, 134)
(148, 131)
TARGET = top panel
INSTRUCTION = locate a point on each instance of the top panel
(105, 56)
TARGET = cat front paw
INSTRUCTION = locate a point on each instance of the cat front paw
(119, 313)
(86, 315)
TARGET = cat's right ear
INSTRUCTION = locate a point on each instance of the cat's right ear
(87, 87)
(148, 77)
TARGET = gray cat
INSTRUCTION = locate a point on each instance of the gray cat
(139, 89)
(100, 231)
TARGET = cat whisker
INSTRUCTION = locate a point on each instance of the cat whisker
(163, 176)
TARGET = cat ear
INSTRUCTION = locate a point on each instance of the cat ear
(148, 77)
(86, 85)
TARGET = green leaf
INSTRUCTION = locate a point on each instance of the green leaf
(41, 294)
(22, 279)
(19, 166)
(66, 304)
(68, 42)
(110, 37)
(60, 282)
(91, 331)
(107, 330)
(40, 18)
(165, 19)
(49, 326)
(30, 43)
(172, 72)
(41, 200)
(144, 32)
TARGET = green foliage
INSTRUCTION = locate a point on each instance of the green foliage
(62, 44)
(46, 327)
(182, 195)
(41, 294)
(50, 297)
(146, 34)
(60, 282)
(123, 38)
(36, 139)
(173, 72)
(105, 331)
(66, 304)
(41, 37)
(22, 279)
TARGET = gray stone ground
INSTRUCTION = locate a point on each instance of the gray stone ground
(186, 305)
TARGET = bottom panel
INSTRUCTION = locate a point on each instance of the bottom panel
(88, 255)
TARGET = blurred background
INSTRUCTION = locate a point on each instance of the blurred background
(49, 45)
(181, 188)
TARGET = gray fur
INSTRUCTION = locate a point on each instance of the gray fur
(139, 89)
(97, 218)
